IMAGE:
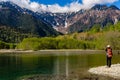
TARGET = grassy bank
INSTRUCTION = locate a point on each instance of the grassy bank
(84, 40)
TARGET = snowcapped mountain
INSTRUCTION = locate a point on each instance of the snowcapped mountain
(20, 22)
(99, 14)
(73, 21)
(55, 19)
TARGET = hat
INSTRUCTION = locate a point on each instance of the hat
(108, 45)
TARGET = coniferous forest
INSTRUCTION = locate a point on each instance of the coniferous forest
(95, 38)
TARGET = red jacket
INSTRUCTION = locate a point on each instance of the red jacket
(109, 52)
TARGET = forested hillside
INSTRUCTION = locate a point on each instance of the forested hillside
(16, 23)
(85, 29)
(96, 38)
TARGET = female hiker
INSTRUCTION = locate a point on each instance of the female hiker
(109, 55)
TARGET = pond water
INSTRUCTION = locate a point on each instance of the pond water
(13, 66)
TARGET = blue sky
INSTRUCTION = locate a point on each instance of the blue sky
(117, 4)
(65, 2)
(61, 6)
(50, 2)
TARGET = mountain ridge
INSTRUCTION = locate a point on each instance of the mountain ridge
(66, 22)
(77, 21)
(21, 20)
(91, 17)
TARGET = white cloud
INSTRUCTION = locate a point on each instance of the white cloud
(88, 3)
(75, 6)
(72, 7)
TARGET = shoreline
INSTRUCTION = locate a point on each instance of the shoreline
(113, 71)
(47, 50)
(56, 51)
(14, 51)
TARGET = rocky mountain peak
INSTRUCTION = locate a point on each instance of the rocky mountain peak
(99, 7)
(114, 7)
(74, 21)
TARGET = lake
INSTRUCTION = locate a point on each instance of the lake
(15, 66)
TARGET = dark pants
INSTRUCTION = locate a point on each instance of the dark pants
(109, 61)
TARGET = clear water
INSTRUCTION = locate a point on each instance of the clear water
(16, 65)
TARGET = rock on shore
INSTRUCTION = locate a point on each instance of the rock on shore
(113, 71)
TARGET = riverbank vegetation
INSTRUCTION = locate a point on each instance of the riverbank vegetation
(54, 43)
(95, 38)
(4, 45)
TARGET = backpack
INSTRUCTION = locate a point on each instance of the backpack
(109, 52)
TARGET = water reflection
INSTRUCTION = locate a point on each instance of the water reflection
(61, 65)
(13, 66)
(67, 64)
